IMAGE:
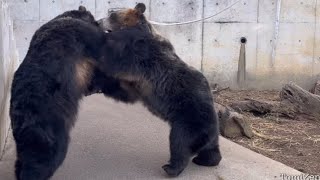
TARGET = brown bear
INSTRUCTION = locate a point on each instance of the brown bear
(47, 87)
(167, 86)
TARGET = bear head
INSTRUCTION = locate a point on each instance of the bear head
(125, 18)
(125, 48)
(81, 14)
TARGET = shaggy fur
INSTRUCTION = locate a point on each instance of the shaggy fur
(47, 87)
(167, 86)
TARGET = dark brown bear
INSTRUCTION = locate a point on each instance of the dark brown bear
(47, 87)
(167, 86)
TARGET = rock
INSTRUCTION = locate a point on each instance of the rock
(232, 124)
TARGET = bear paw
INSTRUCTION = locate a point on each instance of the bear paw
(172, 171)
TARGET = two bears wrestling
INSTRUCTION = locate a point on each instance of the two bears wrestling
(71, 56)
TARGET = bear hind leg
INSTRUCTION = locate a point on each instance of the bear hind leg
(39, 156)
(180, 151)
(209, 156)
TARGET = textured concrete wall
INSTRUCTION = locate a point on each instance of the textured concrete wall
(213, 46)
(8, 64)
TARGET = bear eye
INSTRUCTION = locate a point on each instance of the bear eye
(113, 16)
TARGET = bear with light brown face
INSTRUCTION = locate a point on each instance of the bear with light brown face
(168, 87)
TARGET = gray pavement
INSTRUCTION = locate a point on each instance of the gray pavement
(116, 141)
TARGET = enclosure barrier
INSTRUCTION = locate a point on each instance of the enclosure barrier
(283, 36)
(8, 63)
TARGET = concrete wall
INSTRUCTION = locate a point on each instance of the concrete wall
(213, 46)
(8, 63)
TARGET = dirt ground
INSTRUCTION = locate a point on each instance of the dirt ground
(295, 143)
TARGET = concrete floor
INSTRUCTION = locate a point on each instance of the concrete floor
(117, 141)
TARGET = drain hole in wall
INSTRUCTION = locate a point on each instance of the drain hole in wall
(243, 40)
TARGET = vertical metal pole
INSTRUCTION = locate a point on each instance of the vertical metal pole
(241, 77)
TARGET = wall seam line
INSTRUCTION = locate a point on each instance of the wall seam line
(314, 39)
(202, 36)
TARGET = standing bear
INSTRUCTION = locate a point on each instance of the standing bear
(167, 86)
(47, 87)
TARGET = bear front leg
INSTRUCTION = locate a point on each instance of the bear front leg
(111, 87)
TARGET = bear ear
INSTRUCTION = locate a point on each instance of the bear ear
(141, 48)
(140, 7)
(82, 8)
